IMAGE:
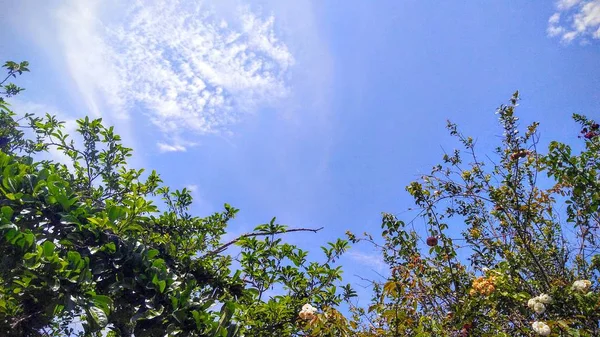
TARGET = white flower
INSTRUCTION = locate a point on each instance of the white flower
(307, 312)
(309, 308)
(544, 298)
(539, 308)
(305, 315)
(541, 328)
(582, 285)
(538, 304)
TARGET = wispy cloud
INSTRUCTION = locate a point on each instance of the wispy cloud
(575, 19)
(162, 147)
(177, 62)
(88, 58)
(374, 261)
(566, 4)
(192, 188)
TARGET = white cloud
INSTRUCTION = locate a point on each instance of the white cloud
(192, 188)
(372, 260)
(187, 69)
(575, 19)
(566, 4)
(88, 58)
(162, 147)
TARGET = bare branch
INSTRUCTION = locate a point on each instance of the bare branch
(247, 235)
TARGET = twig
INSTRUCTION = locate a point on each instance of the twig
(247, 235)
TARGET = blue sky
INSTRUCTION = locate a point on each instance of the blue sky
(317, 112)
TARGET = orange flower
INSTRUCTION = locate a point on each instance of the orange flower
(483, 286)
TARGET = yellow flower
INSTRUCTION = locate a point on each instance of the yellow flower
(483, 285)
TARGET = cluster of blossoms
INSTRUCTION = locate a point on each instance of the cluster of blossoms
(483, 285)
(538, 304)
(541, 328)
(582, 285)
(522, 153)
(307, 312)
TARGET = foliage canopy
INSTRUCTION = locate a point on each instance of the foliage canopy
(84, 240)
(511, 246)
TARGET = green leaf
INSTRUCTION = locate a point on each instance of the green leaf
(152, 253)
(115, 213)
(98, 316)
(7, 212)
(110, 247)
(48, 248)
(159, 263)
(8, 226)
(27, 242)
(29, 256)
(162, 284)
(103, 302)
(58, 309)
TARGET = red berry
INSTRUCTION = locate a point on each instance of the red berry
(432, 241)
(590, 135)
(595, 126)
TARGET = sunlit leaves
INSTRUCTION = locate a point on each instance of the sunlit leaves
(108, 245)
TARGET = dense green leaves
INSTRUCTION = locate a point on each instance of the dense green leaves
(85, 241)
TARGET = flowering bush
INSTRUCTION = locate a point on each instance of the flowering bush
(516, 242)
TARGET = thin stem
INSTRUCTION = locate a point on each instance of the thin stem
(224, 246)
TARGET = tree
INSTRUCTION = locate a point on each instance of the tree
(83, 241)
(511, 247)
